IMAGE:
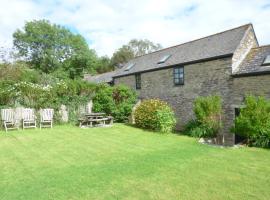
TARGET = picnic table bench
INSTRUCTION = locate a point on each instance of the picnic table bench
(95, 119)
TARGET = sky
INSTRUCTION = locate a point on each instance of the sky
(108, 24)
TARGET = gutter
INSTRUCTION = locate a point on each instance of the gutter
(258, 73)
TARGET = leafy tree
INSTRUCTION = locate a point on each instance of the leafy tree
(103, 65)
(49, 47)
(132, 49)
(141, 47)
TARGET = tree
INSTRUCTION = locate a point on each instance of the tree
(132, 49)
(48, 47)
(103, 65)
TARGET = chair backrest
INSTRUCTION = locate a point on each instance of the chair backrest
(28, 114)
(8, 115)
(46, 114)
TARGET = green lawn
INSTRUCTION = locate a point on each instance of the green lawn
(126, 163)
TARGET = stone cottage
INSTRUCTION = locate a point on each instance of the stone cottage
(230, 64)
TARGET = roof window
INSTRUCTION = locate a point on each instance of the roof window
(266, 60)
(164, 59)
(129, 67)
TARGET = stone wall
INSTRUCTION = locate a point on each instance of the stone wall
(256, 85)
(126, 80)
(248, 41)
(201, 79)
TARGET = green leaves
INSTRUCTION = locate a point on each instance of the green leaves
(208, 111)
(132, 49)
(72, 93)
(254, 121)
(49, 47)
(156, 115)
(116, 101)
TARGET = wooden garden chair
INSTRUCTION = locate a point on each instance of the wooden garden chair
(28, 118)
(46, 118)
(9, 120)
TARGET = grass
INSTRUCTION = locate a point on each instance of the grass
(123, 162)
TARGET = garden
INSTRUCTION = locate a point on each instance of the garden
(145, 159)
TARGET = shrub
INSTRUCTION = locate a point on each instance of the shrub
(208, 111)
(156, 115)
(7, 94)
(72, 93)
(18, 71)
(190, 126)
(116, 101)
(254, 121)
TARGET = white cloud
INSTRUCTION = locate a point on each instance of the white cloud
(109, 24)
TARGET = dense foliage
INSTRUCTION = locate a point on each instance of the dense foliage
(50, 47)
(116, 101)
(132, 49)
(47, 66)
(156, 115)
(208, 111)
(254, 121)
(21, 86)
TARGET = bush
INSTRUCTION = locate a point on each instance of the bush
(72, 93)
(208, 112)
(254, 121)
(156, 115)
(116, 101)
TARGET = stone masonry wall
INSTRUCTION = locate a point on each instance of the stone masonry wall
(256, 85)
(201, 79)
(249, 41)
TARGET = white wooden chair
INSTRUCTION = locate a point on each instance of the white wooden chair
(28, 118)
(46, 118)
(9, 120)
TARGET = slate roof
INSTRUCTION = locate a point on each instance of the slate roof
(220, 44)
(252, 64)
(101, 78)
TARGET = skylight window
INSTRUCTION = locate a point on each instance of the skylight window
(164, 59)
(129, 66)
(266, 60)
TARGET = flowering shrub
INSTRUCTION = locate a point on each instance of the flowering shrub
(72, 93)
(156, 115)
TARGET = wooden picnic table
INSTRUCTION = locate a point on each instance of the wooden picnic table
(97, 119)
(94, 114)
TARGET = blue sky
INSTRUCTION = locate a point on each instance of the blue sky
(108, 24)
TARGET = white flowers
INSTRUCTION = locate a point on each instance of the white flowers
(18, 87)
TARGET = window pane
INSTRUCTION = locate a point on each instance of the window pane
(138, 81)
(181, 80)
(178, 75)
